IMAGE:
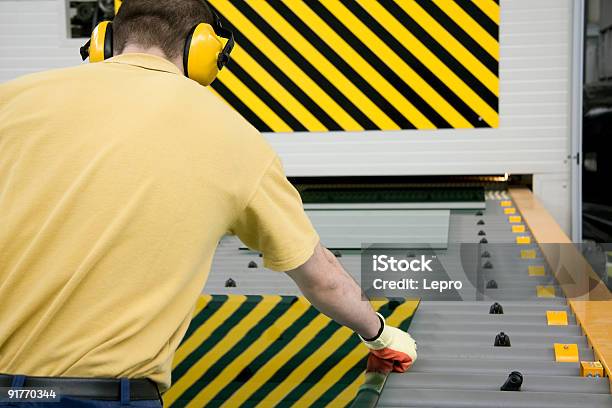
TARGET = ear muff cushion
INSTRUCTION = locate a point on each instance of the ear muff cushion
(101, 45)
(108, 41)
(202, 50)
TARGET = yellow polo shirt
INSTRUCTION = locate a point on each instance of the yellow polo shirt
(117, 180)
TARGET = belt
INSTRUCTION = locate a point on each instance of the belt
(108, 389)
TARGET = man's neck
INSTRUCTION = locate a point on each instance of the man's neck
(133, 48)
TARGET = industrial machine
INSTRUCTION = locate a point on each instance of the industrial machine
(519, 342)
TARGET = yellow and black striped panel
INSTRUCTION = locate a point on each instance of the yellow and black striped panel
(270, 351)
(307, 65)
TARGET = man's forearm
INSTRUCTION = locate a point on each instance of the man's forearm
(335, 293)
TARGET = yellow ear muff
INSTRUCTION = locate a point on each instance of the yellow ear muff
(201, 54)
(101, 44)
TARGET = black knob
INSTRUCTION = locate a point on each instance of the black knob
(230, 283)
(514, 382)
(488, 265)
(480, 222)
(502, 340)
(496, 308)
(481, 233)
(492, 284)
(485, 254)
(484, 241)
(252, 264)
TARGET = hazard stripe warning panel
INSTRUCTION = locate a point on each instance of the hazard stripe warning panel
(362, 65)
(271, 351)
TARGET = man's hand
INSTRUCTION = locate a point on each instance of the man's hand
(392, 350)
(333, 292)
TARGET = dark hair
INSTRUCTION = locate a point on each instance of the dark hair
(158, 23)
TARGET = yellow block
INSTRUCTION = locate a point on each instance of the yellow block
(545, 291)
(536, 270)
(518, 228)
(117, 5)
(505, 203)
(609, 268)
(556, 317)
(514, 219)
(528, 254)
(524, 240)
(591, 369)
(509, 210)
(566, 353)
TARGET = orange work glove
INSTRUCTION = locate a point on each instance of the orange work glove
(393, 350)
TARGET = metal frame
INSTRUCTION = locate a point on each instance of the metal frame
(577, 66)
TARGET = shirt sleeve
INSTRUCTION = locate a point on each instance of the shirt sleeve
(275, 224)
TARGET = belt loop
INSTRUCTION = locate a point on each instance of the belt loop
(18, 381)
(125, 391)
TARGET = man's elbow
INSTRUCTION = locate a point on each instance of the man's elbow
(319, 273)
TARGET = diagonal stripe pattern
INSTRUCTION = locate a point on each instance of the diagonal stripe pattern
(353, 65)
(247, 351)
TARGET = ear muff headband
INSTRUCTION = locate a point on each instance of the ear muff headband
(205, 55)
(100, 46)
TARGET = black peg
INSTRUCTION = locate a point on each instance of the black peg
(502, 340)
(496, 308)
(514, 382)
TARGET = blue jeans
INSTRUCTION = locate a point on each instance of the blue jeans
(68, 402)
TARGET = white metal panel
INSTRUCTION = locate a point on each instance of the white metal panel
(554, 191)
(33, 38)
(350, 228)
(535, 52)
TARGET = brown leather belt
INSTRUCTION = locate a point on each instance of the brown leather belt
(108, 389)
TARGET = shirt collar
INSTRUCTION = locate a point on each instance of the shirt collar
(147, 61)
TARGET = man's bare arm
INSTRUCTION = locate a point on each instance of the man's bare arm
(330, 289)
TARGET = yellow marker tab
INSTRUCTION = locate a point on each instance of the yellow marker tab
(509, 210)
(556, 317)
(536, 270)
(545, 291)
(566, 353)
(518, 228)
(528, 254)
(524, 240)
(514, 219)
(591, 369)
(609, 268)
(505, 203)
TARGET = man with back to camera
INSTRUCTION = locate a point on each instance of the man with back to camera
(117, 180)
